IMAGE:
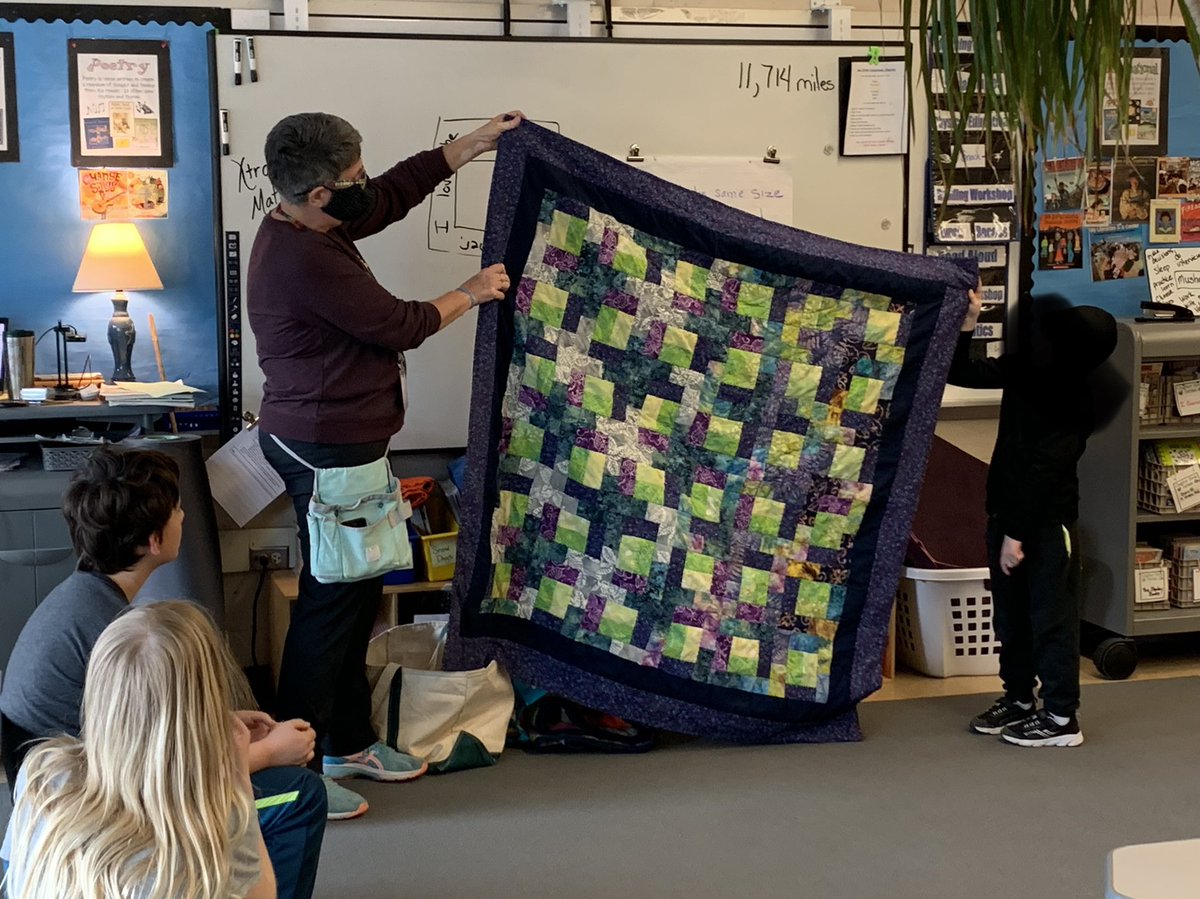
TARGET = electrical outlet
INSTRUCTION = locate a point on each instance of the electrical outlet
(275, 557)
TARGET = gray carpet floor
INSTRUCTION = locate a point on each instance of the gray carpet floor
(920, 808)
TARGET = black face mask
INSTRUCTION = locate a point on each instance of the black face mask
(350, 203)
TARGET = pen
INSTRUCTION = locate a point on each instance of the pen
(224, 132)
(251, 60)
(237, 61)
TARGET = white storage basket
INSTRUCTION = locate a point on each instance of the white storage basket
(944, 621)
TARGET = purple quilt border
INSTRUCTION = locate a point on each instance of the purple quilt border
(531, 142)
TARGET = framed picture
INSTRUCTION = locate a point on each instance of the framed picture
(1164, 221)
(9, 146)
(121, 111)
(1143, 128)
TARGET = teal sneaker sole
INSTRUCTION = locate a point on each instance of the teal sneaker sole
(351, 769)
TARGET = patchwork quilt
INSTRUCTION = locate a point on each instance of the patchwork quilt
(697, 442)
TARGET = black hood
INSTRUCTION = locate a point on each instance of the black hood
(1071, 339)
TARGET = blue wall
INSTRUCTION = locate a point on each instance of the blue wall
(1123, 298)
(42, 237)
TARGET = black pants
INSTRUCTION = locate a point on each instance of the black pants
(323, 677)
(1036, 617)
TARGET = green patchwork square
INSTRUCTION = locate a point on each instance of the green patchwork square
(801, 668)
(567, 232)
(793, 318)
(813, 599)
(678, 347)
(629, 257)
(784, 450)
(724, 436)
(513, 507)
(847, 462)
(882, 327)
(617, 621)
(658, 415)
(598, 395)
(586, 467)
(893, 355)
(743, 657)
(683, 643)
(766, 516)
(539, 374)
(755, 586)
(613, 327)
(874, 301)
(741, 368)
(828, 530)
(651, 484)
(572, 531)
(501, 580)
(697, 572)
(691, 280)
(803, 381)
(863, 395)
(548, 304)
(526, 441)
(754, 300)
(635, 555)
(554, 597)
(706, 501)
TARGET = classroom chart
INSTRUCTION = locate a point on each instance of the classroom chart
(727, 101)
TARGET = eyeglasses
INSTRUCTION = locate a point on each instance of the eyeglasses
(342, 185)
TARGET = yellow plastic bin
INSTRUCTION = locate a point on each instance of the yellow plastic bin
(437, 532)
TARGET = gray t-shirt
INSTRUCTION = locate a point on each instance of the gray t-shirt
(43, 683)
(244, 866)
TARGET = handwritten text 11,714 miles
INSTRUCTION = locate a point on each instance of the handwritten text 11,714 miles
(760, 77)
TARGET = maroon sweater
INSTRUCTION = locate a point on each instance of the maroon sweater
(327, 331)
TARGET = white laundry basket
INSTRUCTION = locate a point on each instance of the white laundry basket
(944, 621)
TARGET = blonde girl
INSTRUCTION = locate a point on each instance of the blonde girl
(154, 799)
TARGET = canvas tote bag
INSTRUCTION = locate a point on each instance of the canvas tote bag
(357, 521)
(452, 719)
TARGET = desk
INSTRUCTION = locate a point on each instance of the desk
(16, 418)
(285, 587)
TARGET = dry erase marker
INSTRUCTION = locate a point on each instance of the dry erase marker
(237, 61)
(224, 132)
(251, 60)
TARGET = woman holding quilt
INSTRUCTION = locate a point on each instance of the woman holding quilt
(331, 342)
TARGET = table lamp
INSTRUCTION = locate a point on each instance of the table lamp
(116, 259)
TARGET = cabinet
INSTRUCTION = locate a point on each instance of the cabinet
(1110, 522)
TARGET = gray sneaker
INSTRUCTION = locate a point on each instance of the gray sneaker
(343, 803)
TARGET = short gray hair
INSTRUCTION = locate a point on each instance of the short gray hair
(305, 150)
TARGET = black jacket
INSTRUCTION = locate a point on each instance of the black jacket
(1045, 416)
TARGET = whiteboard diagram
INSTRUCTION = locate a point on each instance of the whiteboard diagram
(458, 208)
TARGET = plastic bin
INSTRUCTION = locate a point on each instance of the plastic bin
(944, 622)
(437, 531)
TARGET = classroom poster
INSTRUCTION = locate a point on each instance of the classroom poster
(993, 272)
(1060, 240)
(1164, 221)
(1063, 184)
(1178, 177)
(1098, 193)
(122, 194)
(1144, 125)
(1133, 189)
(1189, 221)
(1175, 277)
(120, 102)
(1117, 253)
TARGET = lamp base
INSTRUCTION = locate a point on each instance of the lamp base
(121, 335)
(62, 393)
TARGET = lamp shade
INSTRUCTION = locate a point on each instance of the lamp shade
(116, 259)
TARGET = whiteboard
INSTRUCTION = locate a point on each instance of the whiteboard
(405, 94)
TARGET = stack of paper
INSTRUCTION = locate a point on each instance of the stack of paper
(149, 393)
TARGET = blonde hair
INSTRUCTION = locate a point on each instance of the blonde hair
(149, 800)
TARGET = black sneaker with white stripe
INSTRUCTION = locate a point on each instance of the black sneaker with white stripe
(1003, 712)
(1042, 730)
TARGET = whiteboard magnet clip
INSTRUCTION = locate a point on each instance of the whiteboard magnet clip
(771, 156)
(634, 154)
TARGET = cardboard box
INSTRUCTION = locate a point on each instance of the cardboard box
(1151, 585)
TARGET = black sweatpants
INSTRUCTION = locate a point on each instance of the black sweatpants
(1036, 617)
(323, 677)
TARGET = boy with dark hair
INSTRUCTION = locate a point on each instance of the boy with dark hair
(1032, 505)
(125, 521)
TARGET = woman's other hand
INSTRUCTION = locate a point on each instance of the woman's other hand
(482, 140)
(490, 284)
(975, 308)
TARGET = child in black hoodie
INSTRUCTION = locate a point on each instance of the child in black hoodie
(1032, 505)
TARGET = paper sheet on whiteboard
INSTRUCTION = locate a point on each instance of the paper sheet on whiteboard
(760, 188)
